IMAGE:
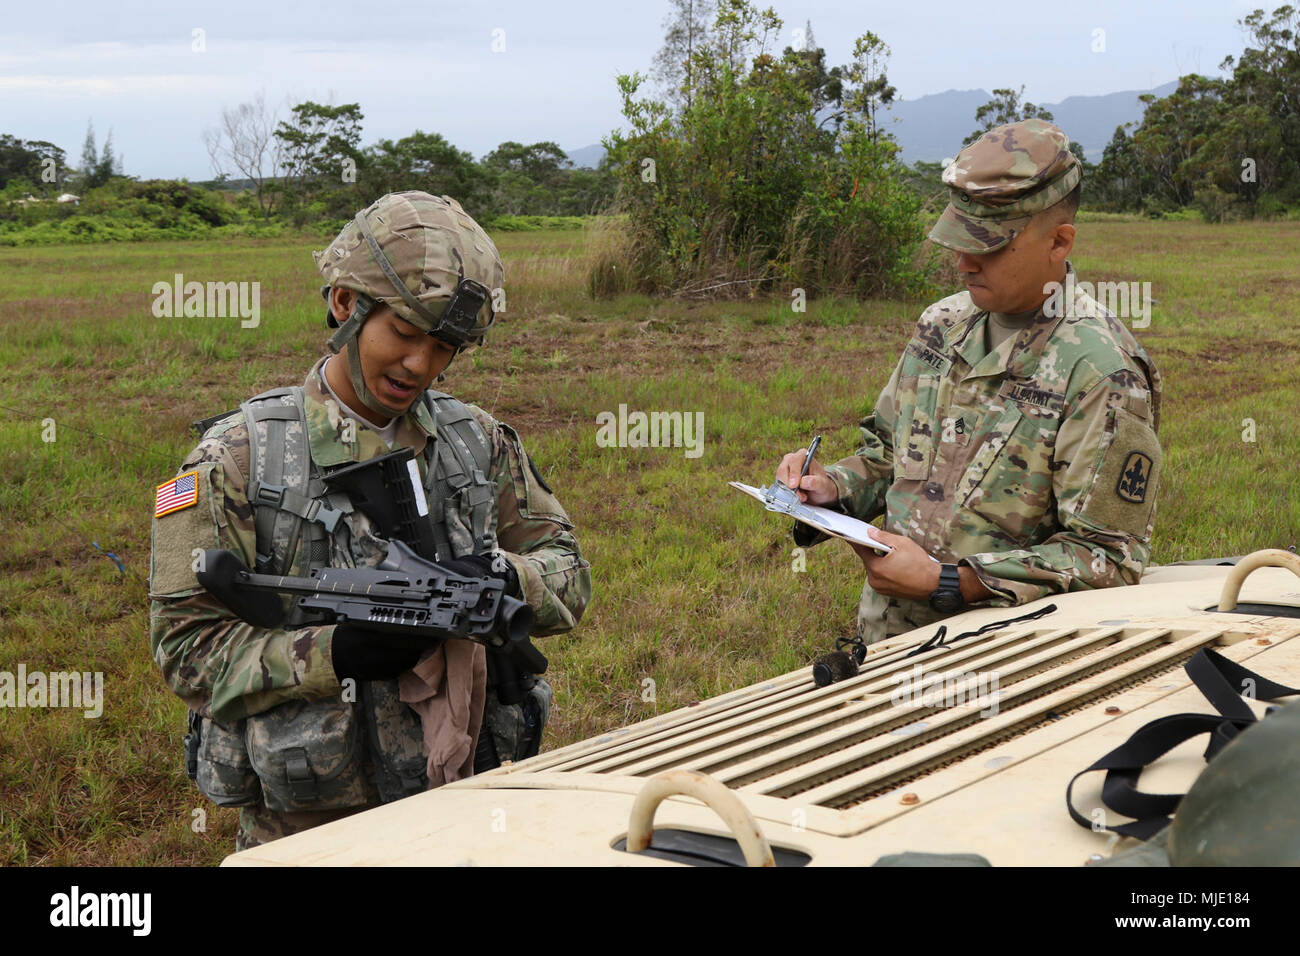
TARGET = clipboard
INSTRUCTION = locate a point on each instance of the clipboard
(780, 498)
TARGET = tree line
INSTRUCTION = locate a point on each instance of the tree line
(311, 169)
(1227, 146)
(312, 166)
(745, 164)
(755, 167)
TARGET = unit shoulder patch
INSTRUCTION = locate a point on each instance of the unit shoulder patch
(1122, 495)
(1134, 477)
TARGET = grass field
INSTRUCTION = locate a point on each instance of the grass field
(694, 585)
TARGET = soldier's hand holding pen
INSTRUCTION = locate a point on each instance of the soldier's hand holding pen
(802, 472)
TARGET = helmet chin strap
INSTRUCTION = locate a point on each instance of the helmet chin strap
(358, 380)
(348, 336)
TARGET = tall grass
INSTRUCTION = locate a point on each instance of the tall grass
(694, 586)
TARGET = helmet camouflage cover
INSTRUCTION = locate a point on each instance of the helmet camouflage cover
(413, 251)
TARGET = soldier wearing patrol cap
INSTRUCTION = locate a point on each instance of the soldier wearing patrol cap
(1015, 442)
(309, 721)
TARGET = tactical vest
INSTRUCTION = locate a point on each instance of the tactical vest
(308, 755)
(300, 523)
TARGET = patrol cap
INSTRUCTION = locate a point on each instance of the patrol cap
(997, 184)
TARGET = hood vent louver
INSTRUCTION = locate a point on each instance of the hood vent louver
(899, 719)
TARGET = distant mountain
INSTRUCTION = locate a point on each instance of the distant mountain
(588, 157)
(932, 127)
(1091, 120)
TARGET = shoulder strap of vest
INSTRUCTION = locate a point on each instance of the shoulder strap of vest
(451, 413)
(460, 456)
(281, 474)
(201, 426)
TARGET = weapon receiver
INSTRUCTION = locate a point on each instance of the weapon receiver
(404, 594)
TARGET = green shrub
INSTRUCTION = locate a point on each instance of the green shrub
(744, 188)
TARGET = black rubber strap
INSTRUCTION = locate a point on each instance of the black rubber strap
(1224, 683)
(940, 636)
(1124, 765)
(1215, 676)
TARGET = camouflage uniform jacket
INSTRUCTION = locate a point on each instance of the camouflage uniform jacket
(227, 669)
(1035, 464)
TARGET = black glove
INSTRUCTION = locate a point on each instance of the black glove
(481, 566)
(370, 655)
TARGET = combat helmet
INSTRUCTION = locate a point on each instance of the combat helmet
(424, 257)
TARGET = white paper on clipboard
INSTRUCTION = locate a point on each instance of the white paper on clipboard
(779, 498)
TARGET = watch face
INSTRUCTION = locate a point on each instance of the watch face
(946, 601)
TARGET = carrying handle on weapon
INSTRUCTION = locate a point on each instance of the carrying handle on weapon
(220, 573)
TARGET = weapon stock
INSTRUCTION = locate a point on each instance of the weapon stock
(404, 594)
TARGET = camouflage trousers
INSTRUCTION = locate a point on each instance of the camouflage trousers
(258, 825)
(880, 617)
(514, 730)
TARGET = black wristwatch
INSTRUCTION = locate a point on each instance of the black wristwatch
(946, 598)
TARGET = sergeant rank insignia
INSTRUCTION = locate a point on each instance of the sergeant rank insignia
(181, 492)
(1132, 484)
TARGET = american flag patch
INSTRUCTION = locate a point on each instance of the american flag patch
(181, 492)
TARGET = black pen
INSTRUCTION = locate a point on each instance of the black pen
(812, 450)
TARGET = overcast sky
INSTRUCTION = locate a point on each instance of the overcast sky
(132, 67)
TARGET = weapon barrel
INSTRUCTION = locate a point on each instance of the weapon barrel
(516, 619)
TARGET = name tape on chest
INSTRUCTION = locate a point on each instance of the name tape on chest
(1037, 397)
(929, 356)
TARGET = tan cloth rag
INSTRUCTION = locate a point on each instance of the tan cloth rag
(446, 688)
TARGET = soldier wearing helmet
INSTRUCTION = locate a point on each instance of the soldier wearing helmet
(300, 724)
(1015, 443)
(402, 240)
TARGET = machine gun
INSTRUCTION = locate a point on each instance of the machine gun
(404, 594)
(408, 593)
